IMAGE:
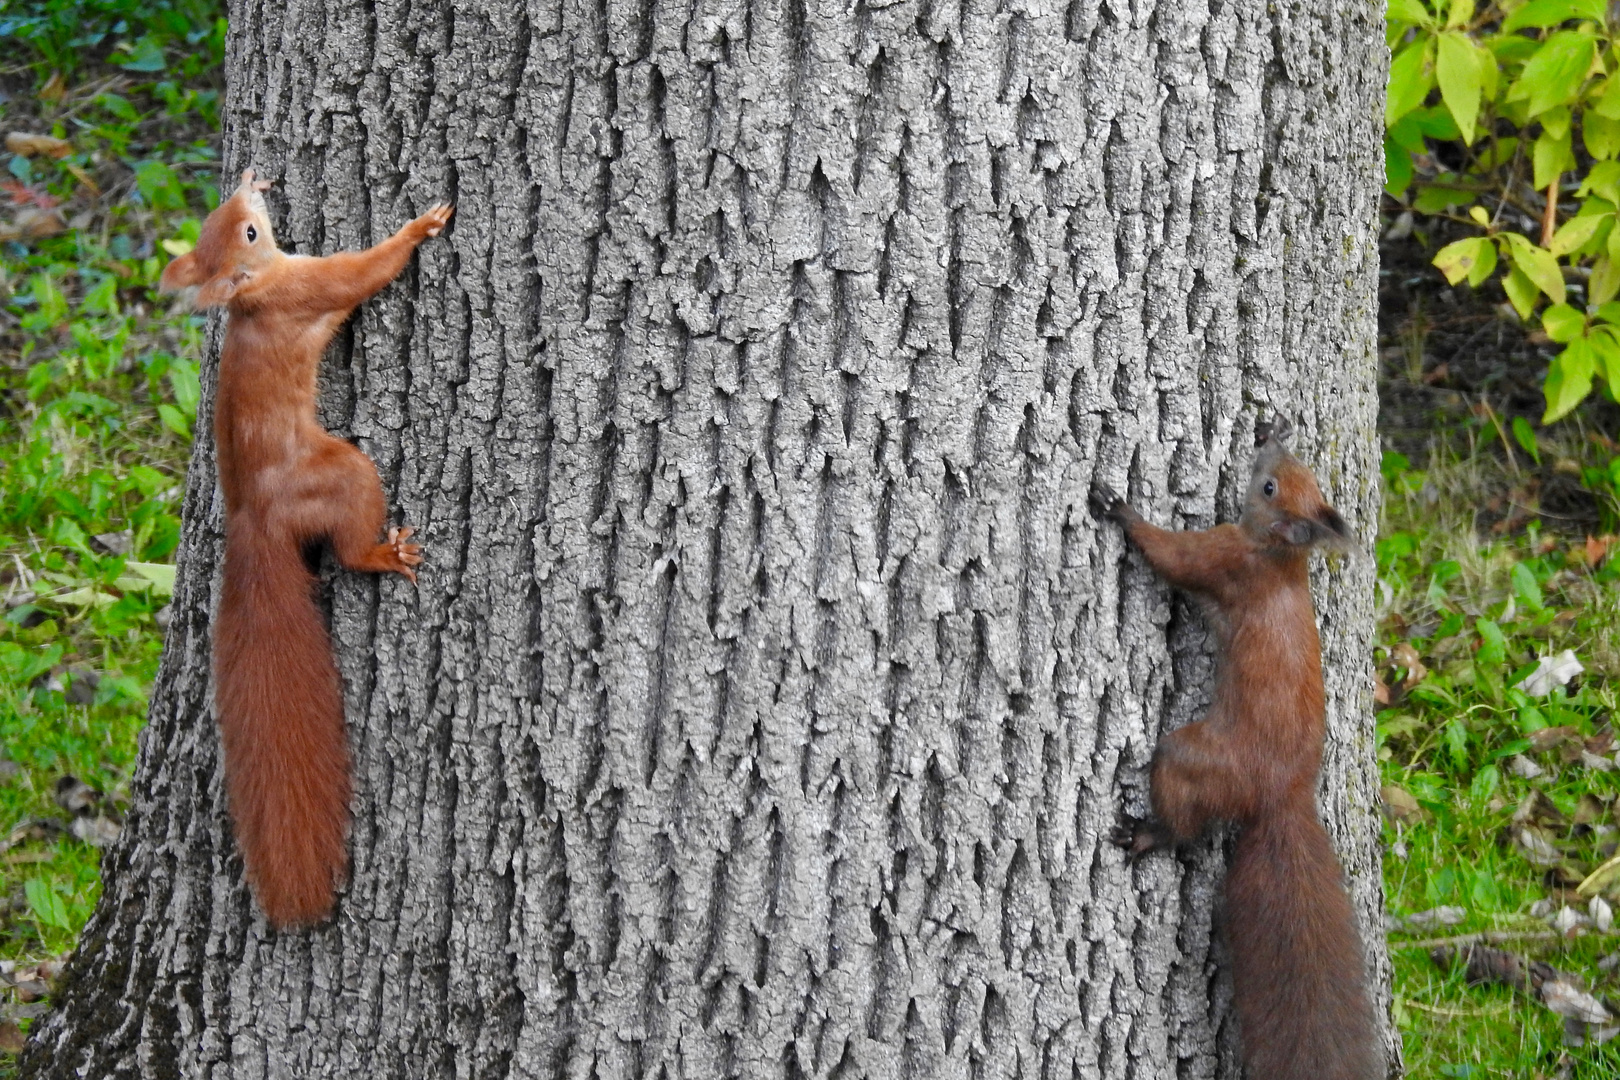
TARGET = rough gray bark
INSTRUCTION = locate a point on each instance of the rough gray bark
(770, 691)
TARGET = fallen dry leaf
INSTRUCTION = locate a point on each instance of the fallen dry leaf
(11, 1037)
(1536, 847)
(1565, 998)
(1537, 809)
(1400, 805)
(32, 145)
(33, 223)
(55, 88)
(1406, 656)
(1550, 738)
(1551, 671)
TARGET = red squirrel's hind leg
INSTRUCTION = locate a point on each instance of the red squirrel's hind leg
(1195, 781)
(342, 499)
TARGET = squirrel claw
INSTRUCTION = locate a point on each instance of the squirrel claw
(405, 555)
(1105, 501)
(1137, 836)
(436, 218)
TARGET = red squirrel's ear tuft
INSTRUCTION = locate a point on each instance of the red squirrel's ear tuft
(1329, 519)
(1277, 428)
(1325, 527)
(1293, 530)
(219, 291)
(180, 274)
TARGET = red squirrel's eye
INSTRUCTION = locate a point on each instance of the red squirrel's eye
(1270, 489)
(253, 234)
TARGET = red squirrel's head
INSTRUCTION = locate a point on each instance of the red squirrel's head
(1284, 507)
(236, 243)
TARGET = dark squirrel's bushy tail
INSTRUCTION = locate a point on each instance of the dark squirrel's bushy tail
(280, 708)
(1298, 972)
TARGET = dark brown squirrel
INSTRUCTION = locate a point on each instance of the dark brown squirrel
(1298, 972)
(287, 484)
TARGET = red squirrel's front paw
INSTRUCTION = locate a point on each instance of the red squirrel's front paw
(1110, 505)
(437, 217)
(405, 556)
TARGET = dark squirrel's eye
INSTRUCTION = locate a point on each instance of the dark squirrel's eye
(253, 234)
(1270, 489)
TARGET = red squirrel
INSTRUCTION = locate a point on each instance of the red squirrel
(1298, 973)
(288, 485)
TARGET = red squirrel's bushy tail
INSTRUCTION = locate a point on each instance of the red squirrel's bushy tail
(1298, 974)
(280, 709)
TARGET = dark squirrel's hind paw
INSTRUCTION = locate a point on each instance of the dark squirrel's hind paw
(1137, 836)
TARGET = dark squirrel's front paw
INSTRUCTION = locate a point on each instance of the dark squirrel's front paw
(1137, 836)
(1105, 501)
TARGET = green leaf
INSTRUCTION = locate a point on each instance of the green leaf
(1552, 155)
(174, 420)
(1525, 436)
(159, 577)
(1397, 168)
(47, 904)
(1604, 284)
(1411, 77)
(1433, 198)
(1544, 13)
(1456, 68)
(1563, 323)
(1538, 265)
(1457, 259)
(1606, 352)
(1461, 12)
(1408, 134)
(1553, 75)
(1601, 135)
(1575, 232)
(159, 186)
(1569, 379)
(1521, 293)
(1608, 101)
(1409, 11)
(1557, 121)
(1484, 264)
(1492, 645)
(1603, 180)
(1484, 785)
(146, 55)
(1525, 586)
(1457, 742)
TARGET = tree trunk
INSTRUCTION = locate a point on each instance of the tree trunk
(770, 692)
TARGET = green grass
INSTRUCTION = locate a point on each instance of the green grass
(98, 391)
(1479, 606)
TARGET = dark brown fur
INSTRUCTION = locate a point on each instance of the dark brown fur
(1298, 972)
(287, 483)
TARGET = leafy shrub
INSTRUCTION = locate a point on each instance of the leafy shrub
(137, 35)
(1489, 110)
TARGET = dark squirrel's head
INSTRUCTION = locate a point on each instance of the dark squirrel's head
(1284, 507)
(235, 243)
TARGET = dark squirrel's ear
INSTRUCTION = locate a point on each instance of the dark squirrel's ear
(1277, 428)
(1292, 530)
(1330, 520)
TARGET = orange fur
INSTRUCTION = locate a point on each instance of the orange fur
(287, 484)
(1298, 978)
